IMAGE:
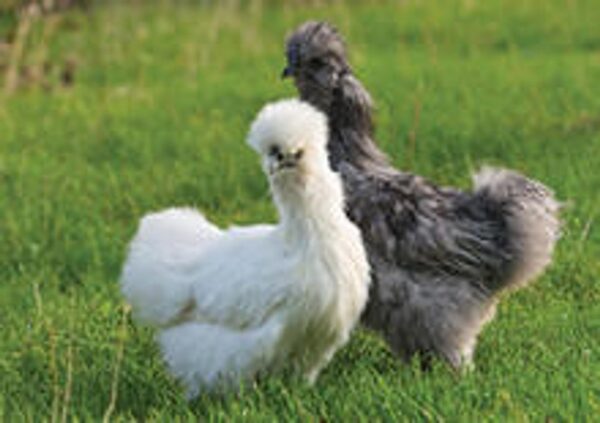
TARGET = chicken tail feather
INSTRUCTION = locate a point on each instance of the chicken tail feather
(531, 215)
(156, 276)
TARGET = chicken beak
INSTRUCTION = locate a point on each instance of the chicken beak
(284, 163)
(288, 163)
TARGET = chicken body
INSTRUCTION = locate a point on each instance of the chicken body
(233, 304)
(439, 256)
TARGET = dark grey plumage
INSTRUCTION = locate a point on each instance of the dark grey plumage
(439, 256)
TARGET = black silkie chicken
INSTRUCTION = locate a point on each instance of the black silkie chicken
(440, 257)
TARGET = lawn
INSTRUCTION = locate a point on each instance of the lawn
(128, 107)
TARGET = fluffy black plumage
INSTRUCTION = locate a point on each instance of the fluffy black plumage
(439, 256)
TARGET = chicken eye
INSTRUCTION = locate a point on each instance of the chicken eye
(273, 150)
(299, 154)
(316, 63)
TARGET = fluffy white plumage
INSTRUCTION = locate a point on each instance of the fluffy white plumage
(234, 303)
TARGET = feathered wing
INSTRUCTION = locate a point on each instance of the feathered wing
(156, 278)
(244, 279)
(500, 235)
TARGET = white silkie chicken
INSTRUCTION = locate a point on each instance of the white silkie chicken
(232, 304)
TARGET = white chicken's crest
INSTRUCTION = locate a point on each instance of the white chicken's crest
(291, 124)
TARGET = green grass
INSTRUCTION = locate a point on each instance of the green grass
(157, 117)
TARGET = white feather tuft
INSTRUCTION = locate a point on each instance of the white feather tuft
(290, 122)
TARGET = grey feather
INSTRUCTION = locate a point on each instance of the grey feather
(439, 256)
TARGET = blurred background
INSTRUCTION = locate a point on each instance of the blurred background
(111, 109)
